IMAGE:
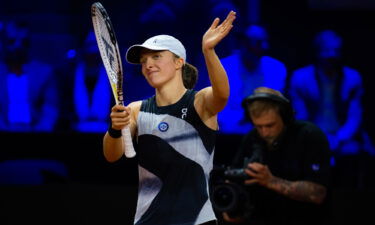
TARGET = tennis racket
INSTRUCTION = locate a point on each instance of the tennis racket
(109, 51)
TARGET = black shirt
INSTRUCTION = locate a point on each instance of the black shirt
(301, 153)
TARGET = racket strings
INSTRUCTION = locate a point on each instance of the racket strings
(107, 49)
(109, 52)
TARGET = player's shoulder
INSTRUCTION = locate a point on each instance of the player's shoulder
(135, 108)
(135, 105)
(200, 96)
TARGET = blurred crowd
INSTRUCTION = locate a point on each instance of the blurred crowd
(75, 95)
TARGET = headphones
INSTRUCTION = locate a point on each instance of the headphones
(285, 107)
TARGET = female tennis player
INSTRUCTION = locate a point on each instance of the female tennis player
(174, 129)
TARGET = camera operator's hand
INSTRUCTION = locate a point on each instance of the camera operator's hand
(229, 219)
(300, 190)
(259, 173)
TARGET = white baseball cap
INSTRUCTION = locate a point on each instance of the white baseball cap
(158, 42)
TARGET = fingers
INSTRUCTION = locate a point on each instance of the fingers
(256, 172)
(226, 26)
(256, 166)
(117, 108)
(227, 218)
(230, 18)
(251, 181)
(226, 30)
(259, 174)
(120, 116)
(250, 172)
(215, 23)
(227, 23)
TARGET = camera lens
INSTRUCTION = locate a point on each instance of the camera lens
(225, 197)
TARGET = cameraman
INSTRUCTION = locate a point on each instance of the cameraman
(288, 164)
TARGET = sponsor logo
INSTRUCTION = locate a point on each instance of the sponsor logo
(163, 126)
(184, 113)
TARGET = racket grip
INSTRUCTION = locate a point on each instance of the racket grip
(129, 149)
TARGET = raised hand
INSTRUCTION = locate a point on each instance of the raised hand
(217, 32)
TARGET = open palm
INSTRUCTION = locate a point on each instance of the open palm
(217, 32)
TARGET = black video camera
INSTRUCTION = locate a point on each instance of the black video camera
(237, 174)
(229, 193)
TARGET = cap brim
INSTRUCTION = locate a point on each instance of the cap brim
(133, 53)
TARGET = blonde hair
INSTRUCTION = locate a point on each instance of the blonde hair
(268, 90)
(257, 108)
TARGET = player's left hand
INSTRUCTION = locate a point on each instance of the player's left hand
(217, 32)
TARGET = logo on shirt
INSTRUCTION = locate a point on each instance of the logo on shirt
(163, 126)
(184, 113)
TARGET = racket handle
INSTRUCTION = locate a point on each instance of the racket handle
(129, 149)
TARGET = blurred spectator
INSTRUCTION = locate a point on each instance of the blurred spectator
(159, 11)
(90, 91)
(249, 66)
(163, 16)
(329, 93)
(28, 88)
(160, 16)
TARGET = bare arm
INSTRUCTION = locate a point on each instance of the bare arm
(121, 116)
(305, 191)
(216, 96)
(112, 148)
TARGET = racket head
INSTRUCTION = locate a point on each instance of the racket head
(108, 48)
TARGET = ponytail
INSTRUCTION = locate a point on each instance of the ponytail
(189, 75)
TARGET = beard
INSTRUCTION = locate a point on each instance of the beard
(269, 140)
